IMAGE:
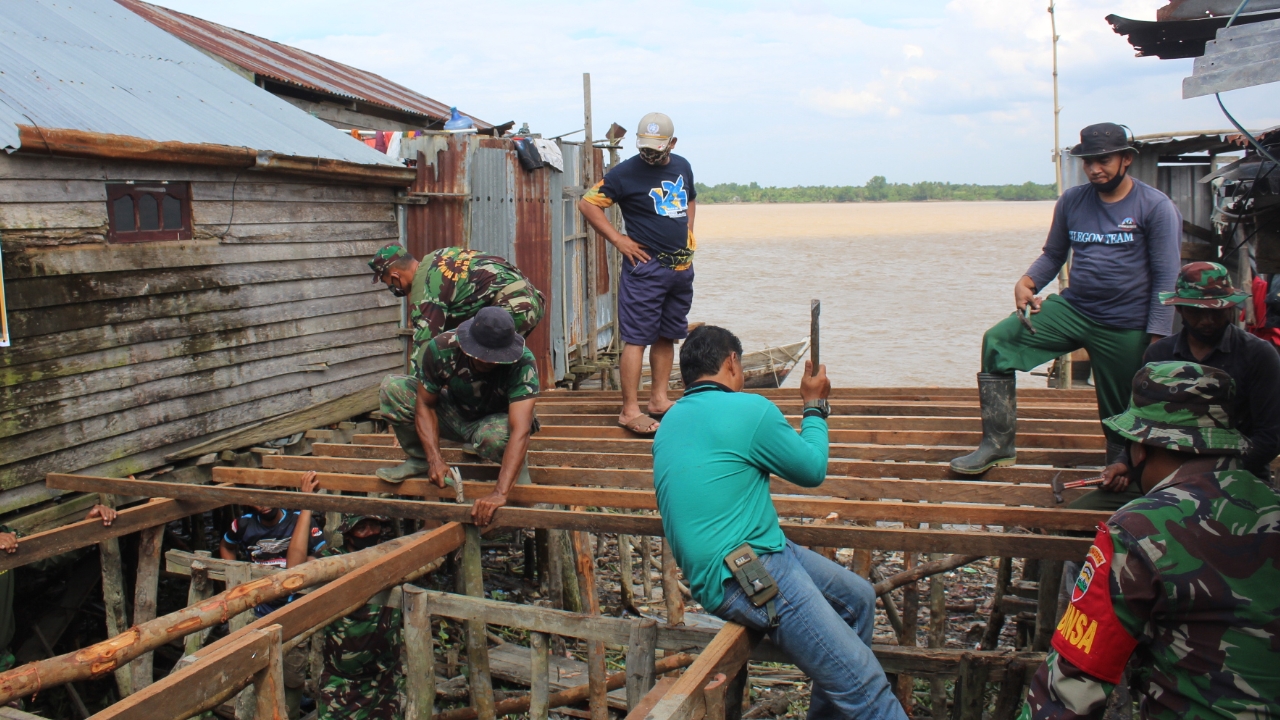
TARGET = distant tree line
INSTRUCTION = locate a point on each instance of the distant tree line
(877, 189)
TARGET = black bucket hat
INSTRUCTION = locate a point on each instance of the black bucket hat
(1102, 139)
(491, 336)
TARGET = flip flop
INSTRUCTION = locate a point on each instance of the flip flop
(635, 426)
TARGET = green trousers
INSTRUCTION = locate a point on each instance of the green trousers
(488, 435)
(1115, 355)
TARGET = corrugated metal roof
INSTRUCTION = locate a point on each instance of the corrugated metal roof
(290, 65)
(1239, 57)
(95, 66)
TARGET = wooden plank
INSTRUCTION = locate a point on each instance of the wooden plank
(88, 532)
(563, 485)
(875, 407)
(973, 542)
(56, 345)
(26, 216)
(159, 398)
(289, 423)
(277, 191)
(107, 369)
(922, 392)
(53, 516)
(869, 422)
(116, 455)
(726, 654)
(641, 654)
(873, 437)
(180, 562)
(38, 262)
(215, 212)
(96, 313)
(246, 233)
(44, 292)
(199, 687)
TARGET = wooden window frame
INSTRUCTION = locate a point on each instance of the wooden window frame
(158, 189)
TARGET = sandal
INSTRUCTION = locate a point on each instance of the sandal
(642, 425)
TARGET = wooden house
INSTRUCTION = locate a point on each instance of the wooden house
(183, 252)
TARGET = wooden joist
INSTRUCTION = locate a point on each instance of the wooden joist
(786, 505)
(974, 542)
(550, 417)
(684, 700)
(875, 436)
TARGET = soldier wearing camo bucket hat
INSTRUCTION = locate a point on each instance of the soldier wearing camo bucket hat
(1180, 583)
(1209, 305)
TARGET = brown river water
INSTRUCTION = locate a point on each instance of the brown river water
(907, 289)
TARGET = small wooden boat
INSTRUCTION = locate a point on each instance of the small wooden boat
(766, 368)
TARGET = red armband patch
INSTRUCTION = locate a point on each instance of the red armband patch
(1090, 635)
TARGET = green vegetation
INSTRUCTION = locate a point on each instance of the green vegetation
(877, 189)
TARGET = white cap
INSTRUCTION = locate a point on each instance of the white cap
(655, 131)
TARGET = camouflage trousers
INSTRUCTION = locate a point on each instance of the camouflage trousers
(374, 697)
(488, 435)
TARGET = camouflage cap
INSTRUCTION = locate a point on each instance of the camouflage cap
(350, 521)
(1205, 285)
(382, 259)
(1181, 406)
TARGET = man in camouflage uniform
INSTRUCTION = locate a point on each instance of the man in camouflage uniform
(476, 385)
(1181, 580)
(1209, 306)
(362, 650)
(451, 285)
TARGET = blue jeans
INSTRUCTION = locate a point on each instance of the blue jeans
(825, 619)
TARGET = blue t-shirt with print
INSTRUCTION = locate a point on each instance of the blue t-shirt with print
(654, 200)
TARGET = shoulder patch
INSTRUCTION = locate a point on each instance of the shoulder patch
(1090, 635)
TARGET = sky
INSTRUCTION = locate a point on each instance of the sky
(806, 92)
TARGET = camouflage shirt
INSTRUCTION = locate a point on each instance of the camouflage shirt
(361, 661)
(452, 284)
(1183, 580)
(446, 371)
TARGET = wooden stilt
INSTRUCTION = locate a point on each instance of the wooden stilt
(714, 697)
(477, 642)
(671, 586)
(570, 591)
(910, 625)
(627, 577)
(646, 578)
(995, 621)
(1047, 603)
(641, 655)
(144, 597)
(971, 687)
(113, 598)
(246, 704)
(539, 673)
(1009, 700)
(596, 675)
(315, 664)
(530, 559)
(543, 550)
(420, 659)
(937, 639)
(199, 591)
(268, 683)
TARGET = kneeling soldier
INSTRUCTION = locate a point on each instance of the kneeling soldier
(477, 385)
(1181, 580)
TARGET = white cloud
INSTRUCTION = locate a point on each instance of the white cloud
(907, 92)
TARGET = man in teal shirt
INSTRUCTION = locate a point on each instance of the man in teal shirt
(712, 459)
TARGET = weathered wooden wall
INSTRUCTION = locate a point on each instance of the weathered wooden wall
(124, 353)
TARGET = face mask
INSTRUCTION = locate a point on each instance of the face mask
(397, 291)
(654, 157)
(1110, 185)
(1207, 338)
(361, 543)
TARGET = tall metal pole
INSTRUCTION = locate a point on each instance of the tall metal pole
(588, 175)
(1064, 362)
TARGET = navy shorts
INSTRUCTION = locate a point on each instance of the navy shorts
(653, 302)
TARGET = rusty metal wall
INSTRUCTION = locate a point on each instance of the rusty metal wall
(443, 161)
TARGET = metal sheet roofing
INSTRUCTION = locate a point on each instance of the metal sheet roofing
(93, 65)
(291, 65)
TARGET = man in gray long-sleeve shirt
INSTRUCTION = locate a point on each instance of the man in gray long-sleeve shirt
(1124, 237)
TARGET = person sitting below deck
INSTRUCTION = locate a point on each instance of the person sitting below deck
(1208, 305)
(1124, 238)
(712, 458)
(1180, 583)
(477, 385)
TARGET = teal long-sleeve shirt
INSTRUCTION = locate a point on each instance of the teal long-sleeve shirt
(712, 458)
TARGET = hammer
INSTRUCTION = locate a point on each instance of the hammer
(1059, 486)
(815, 310)
(455, 479)
(1024, 315)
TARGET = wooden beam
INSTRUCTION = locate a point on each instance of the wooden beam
(550, 418)
(90, 532)
(973, 542)
(726, 654)
(202, 686)
(787, 505)
(871, 436)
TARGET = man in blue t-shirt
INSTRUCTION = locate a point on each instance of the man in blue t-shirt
(1124, 239)
(654, 190)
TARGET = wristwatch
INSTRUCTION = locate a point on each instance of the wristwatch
(822, 406)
